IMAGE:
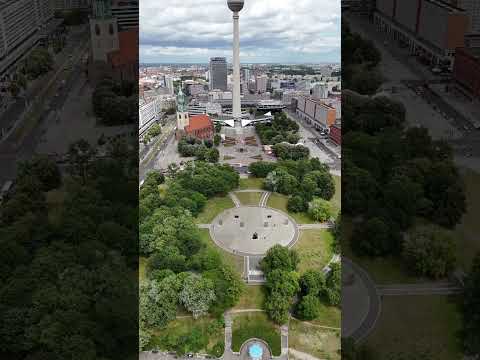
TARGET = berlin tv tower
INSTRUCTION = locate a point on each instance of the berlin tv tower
(236, 6)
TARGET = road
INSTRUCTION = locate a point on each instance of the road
(316, 144)
(62, 81)
(164, 148)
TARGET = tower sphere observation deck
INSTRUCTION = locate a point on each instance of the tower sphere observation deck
(235, 5)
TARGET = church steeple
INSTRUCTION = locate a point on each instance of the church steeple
(183, 118)
(181, 101)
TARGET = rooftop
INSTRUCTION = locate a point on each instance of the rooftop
(198, 122)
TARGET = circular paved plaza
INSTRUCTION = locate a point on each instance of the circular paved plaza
(252, 230)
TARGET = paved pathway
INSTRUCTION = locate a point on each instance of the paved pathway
(315, 226)
(264, 198)
(250, 190)
(433, 288)
(228, 335)
(374, 309)
(204, 226)
(235, 199)
(299, 355)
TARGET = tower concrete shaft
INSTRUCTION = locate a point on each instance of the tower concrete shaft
(236, 108)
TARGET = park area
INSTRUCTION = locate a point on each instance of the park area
(184, 334)
(249, 197)
(255, 325)
(308, 339)
(418, 324)
(314, 248)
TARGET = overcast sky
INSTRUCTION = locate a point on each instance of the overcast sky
(281, 31)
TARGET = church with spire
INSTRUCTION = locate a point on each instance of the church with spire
(198, 126)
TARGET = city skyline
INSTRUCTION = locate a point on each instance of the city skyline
(182, 32)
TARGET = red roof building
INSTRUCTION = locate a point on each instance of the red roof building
(200, 126)
(466, 72)
(336, 133)
(124, 61)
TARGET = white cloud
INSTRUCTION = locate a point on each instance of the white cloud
(270, 30)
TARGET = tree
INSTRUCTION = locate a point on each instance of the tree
(261, 169)
(471, 310)
(324, 185)
(281, 181)
(197, 295)
(80, 153)
(212, 155)
(228, 287)
(430, 251)
(311, 282)
(217, 139)
(282, 282)
(308, 308)
(297, 204)
(44, 170)
(279, 257)
(320, 210)
(168, 257)
(373, 237)
(158, 301)
(333, 285)
(277, 307)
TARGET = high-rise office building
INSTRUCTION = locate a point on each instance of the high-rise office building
(246, 74)
(126, 12)
(218, 73)
(261, 83)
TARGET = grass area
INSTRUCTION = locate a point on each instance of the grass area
(467, 231)
(279, 201)
(214, 207)
(249, 198)
(210, 329)
(142, 263)
(252, 298)
(314, 248)
(329, 316)
(255, 325)
(336, 201)
(251, 183)
(319, 342)
(55, 199)
(234, 260)
(384, 270)
(415, 324)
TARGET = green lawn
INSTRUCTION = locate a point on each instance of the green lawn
(252, 298)
(249, 198)
(384, 270)
(467, 232)
(255, 325)
(214, 207)
(233, 260)
(329, 316)
(251, 183)
(415, 324)
(337, 198)
(314, 248)
(215, 334)
(142, 263)
(279, 201)
(319, 342)
(55, 199)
